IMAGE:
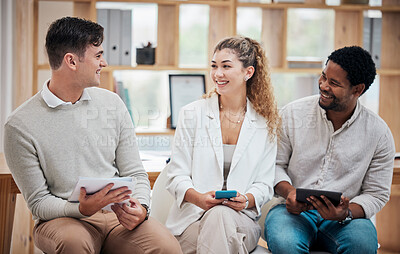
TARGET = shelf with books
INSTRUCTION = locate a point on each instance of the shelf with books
(223, 21)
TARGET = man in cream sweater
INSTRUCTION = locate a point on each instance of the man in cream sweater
(71, 129)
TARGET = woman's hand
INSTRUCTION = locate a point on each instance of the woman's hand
(237, 203)
(205, 201)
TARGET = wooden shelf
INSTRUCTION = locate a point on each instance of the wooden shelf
(138, 67)
(43, 67)
(349, 7)
(154, 132)
(75, 1)
(173, 2)
(389, 72)
(297, 70)
(152, 68)
(386, 72)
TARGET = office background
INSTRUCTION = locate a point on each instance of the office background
(297, 36)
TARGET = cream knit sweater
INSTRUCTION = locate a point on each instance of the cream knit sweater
(47, 149)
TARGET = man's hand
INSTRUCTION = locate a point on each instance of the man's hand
(327, 210)
(130, 216)
(90, 204)
(295, 207)
(287, 191)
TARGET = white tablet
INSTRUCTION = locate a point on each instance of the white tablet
(93, 185)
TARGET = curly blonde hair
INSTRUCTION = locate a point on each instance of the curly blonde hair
(259, 88)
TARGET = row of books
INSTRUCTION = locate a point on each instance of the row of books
(372, 36)
(117, 42)
(124, 94)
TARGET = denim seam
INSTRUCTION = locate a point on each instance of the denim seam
(328, 235)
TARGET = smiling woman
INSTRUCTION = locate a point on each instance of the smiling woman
(246, 54)
(235, 128)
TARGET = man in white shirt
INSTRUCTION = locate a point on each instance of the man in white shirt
(332, 142)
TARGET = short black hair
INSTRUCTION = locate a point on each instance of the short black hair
(73, 35)
(358, 64)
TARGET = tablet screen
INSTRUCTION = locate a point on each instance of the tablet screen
(303, 194)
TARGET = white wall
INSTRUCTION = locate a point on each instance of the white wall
(7, 9)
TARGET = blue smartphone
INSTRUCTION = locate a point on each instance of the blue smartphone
(225, 194)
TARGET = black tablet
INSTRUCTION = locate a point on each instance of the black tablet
(333, 196)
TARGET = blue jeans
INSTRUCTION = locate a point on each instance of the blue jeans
(290, 233)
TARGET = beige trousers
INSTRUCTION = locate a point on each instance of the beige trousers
(102, 233)
(221, 230)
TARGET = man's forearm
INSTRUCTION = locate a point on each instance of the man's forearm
(283, 188)
(356, 210)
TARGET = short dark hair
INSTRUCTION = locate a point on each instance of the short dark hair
(358, 64)
(70, 34)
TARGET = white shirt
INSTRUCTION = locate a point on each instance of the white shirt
(356, 159)
(228, 155)
(53, 101)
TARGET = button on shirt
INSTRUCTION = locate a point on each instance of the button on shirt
(53, 101)
(356, 159)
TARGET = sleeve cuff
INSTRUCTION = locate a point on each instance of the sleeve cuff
(72, 210)
(368, 210)
(280, 176)
(181, 191)
(260, 199)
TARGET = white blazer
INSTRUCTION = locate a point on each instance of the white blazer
(197, 161)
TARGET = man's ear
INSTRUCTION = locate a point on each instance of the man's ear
(358, 89)
(70, 60)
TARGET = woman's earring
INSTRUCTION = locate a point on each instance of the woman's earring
(246, 78)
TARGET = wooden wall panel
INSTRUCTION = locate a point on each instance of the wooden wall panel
(23, 51)
(390, 2)
(47, 13)
(107, 80)
(273, 36)
(6, 211)
(389, 105)
(314, 1)
(24, 80)
(167, 52)
(390, 55)
(219, 28)
(386, 221)
(348, 28)
(22, 238)
(82, 10)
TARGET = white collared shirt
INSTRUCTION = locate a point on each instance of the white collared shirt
(53, 101)
(356, 159)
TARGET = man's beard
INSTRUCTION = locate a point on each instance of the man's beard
(335, 105)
